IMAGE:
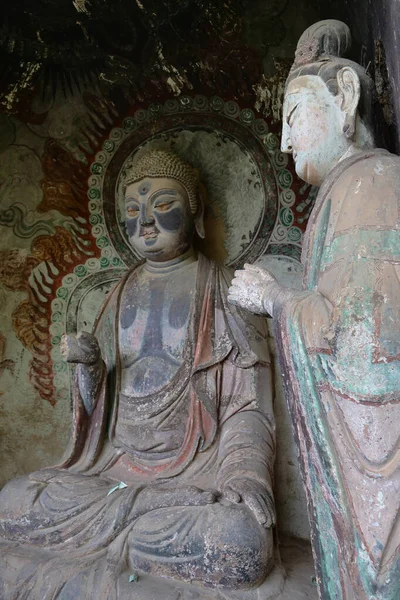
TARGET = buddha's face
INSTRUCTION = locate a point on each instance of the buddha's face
(159, 221)
(313, 128)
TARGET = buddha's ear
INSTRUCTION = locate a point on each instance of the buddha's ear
(350, 91)
(199, 217)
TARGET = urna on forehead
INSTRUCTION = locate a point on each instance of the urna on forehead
(144, 187)
(152, 187)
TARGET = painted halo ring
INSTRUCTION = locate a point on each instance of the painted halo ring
(235, 168)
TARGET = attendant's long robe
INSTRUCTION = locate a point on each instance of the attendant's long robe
(339, 348)
(64, 536)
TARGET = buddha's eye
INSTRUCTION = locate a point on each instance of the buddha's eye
(132, 211)
(164, 205)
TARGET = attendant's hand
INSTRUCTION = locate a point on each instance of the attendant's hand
(254, 289)
(82, 348)
(254, 495)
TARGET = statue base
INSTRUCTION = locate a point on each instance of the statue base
(294, 580)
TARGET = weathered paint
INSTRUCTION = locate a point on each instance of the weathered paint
(338, 337)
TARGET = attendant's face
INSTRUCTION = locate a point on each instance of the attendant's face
(313, 128)
(159, 221)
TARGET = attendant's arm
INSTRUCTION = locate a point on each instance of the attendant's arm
(257, 291)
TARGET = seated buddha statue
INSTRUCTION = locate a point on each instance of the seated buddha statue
(170, 466)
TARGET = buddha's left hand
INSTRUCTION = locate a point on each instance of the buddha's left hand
(254, 289)
(255, 496)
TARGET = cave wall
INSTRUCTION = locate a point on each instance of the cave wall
(375, 27)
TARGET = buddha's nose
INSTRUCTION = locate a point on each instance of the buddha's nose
(146, 216)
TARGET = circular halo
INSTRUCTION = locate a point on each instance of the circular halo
(235, 169)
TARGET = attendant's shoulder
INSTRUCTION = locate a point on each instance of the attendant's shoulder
(373, 173)
(367, 192)
(373, 168)
(381, 163)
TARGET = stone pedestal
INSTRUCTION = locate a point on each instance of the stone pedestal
(294, 580)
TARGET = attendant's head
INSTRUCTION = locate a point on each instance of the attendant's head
(328, 102)
(163, 206)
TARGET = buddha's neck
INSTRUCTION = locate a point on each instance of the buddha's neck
(167, 266)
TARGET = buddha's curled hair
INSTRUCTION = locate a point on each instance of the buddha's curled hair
(163, 163)
(322, 51)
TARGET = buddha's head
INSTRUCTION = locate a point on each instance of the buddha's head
(328, 102)
(163, 206)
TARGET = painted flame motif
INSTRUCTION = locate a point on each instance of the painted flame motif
(60, 249)
(52, 256)
(5, 363)
(64, 184)
(16, 267)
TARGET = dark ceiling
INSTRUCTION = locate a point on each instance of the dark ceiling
(136, 46)
(134, 51)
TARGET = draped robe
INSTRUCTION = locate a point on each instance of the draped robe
(63, 535)
(339, 350)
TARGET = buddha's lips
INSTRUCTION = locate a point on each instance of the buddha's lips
(149, 234)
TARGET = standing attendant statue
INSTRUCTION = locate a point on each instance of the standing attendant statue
(170, 470)
(339, 338)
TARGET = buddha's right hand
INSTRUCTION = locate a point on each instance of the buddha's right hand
(82, 348)
(164, 496)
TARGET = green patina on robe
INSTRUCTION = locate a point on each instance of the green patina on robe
(339, 346)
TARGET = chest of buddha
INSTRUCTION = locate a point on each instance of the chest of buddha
(154, 316)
